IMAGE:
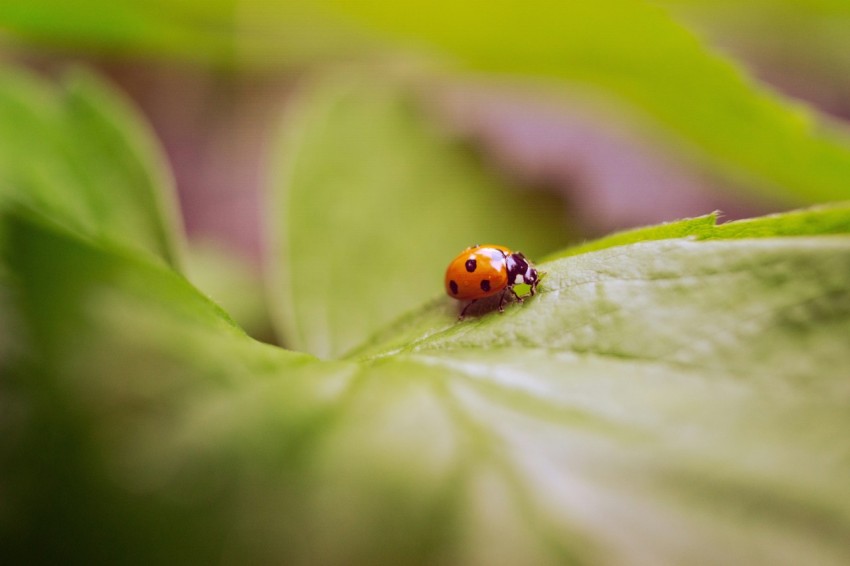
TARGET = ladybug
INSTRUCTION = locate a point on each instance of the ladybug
(482, 271)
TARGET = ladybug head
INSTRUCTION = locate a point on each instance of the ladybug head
(520, 270)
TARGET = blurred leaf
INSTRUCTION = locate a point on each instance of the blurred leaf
(801, 8)
(229, 33)
(85, 159)
(633, 51)
(669, 401)
(803, 39)
(370, 202)
(232, 282)
(188, 27)
(116, 360)
(629, 50)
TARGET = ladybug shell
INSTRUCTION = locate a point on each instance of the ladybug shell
(479, 271)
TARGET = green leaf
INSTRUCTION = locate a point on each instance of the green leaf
(370, 201)
(85, 159)
(231, 281)
(183, 27)
(629, 52)
(668, 401)
(632, 51)
(115, 359)
(819, 220)
(639, 258)
(253, 34)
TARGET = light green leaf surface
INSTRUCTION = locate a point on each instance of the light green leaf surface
(818, 220)
(81, 156)
(370, 202)
(669, 401)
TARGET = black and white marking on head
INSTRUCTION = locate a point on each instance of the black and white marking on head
(471, 264)
(453, 286)
(485, 285)
(519, 270)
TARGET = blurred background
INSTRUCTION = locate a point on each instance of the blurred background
(215, 78)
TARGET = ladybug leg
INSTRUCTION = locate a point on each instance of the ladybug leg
(518, 298)
(502, 299)
(534, 287)
(463, 312)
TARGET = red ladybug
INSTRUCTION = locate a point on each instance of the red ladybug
(482, 271)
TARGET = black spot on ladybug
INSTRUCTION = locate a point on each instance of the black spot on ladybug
(485, 285)
(471, 264)
(453, 285)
